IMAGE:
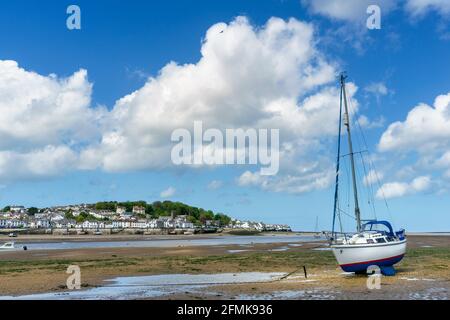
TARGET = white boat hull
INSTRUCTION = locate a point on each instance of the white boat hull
(358, 257)
(7, 246)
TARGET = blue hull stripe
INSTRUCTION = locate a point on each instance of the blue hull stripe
(362, 266)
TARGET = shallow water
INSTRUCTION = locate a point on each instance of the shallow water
(289, 294)
(295, 245)
(169, 243)
(430, 294)
(279, 249)
(237, 251)
(417, 279)
(145, 287)
(321, 249)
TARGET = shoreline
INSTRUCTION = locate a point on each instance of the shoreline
(125, 236)
(137, 237)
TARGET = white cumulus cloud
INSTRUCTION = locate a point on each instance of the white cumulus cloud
(347, 10)
(215, 184)
(365, 122)
(267, 77)
(421, 143)
(426, 128)
(169, 192)
(400, 189)
(271, 77)
(373, 177)
(43, 120)
(40, 163)
(422, 7)
(377, 88)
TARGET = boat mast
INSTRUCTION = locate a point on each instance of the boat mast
(352, 159)
(336, 190)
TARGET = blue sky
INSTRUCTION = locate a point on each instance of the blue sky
(122, 44)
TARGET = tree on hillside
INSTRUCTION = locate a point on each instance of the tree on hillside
(32, 211)
(222, 218)
(149, 211)
(69, 215)
(108, 206)
(206, 215)
(160, 209)
(84, 216)
(128, 205)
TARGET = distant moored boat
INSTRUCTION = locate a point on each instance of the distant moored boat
(7, 246)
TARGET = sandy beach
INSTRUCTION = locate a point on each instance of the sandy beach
(423, 274)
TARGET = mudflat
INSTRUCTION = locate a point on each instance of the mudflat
(424, 273)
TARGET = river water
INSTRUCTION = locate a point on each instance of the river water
(167, 243)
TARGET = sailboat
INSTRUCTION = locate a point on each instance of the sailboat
(375, 243)
(7, 246)
(316, 229)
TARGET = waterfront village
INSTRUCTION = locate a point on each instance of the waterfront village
(133, 217)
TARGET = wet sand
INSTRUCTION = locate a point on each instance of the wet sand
(423, 274)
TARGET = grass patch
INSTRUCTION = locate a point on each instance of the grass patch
(437, 259)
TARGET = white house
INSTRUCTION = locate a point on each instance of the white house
(57, 217)
(121, 224)
(165, 222)
(38, 216)
(14, 224)
(121, 210)
(43, 223)
(126, 216)
(182, 223)
(98, 215)
(117, 224)
(138, 210)
(3, 223)
(65, 224)
(139, 224)
(6, 215)
(92, 225)
(152, 224)
(17, 209)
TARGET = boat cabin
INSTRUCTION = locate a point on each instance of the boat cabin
(371, 234)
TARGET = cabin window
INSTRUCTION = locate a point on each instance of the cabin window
(381, 240)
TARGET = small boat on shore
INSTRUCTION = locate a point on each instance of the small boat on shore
(316, 229)
(7, 246)
(375, 243)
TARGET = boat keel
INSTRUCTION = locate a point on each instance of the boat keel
(388, 271)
